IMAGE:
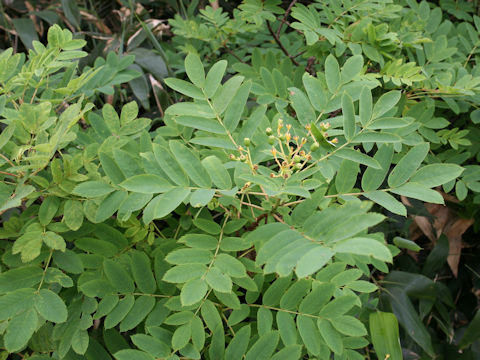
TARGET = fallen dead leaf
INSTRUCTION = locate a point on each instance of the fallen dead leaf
(454, 232)
(98, 22)
(445, 222)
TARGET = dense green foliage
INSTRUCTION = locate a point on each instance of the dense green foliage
(264, 209)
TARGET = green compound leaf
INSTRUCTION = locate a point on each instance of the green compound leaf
(190, 164)
(50, 306)
(193, 291)
(239, 344)
(93, 189)
(218, 280)
(264, 347)
(142, 272)
(348, 112)
(164, 204)
(385, 103)
(387, 201)
(118, 276)
(195, 70)
(332, 73)
(19, 330)
(407, 165)
(185, 88)
(73, 214)
(146, 184)
(364, 246)
(214, 77)
(436, 174)
(128, 354)
(359, 157)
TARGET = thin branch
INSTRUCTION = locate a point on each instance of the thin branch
(252, 193)
(7, 159)
(346, 194)
(285, 310)
(298, 54)
(230, 51)
(247, 252)
(283, 21)
(278, 218)
(203, 301)
(257, 222)
(293, 202)
(226, 322)
(216, 250)
(159, 231)
(252, 205)
(7, 173)
(251, 209)
(470, 55)
(279, 43)
(287, 12)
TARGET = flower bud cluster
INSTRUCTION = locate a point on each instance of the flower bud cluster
(324, 126)
(287, 150)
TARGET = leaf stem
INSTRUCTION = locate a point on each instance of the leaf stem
(252, 205)
(217, 249)
(7, 159)
(45, 271)
(229, 134)
(284, 310)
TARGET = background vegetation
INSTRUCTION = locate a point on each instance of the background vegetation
(255, 179)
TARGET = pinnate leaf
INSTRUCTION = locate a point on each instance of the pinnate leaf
(185, 88)
(128, 354)
(263, 347)
(50, 306)
(193, 291)
(364, 246)
(386, 102)
(93, 189)
(195, 70)
(436, 174)
(164, 204)
(118, 276)
(189, 162)
(332, 73)
(20, 329)
(146, 184)
(214, 77)
(348, 111)
(218, 280)
(407, 165)
(386, 200)
(349, 325)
